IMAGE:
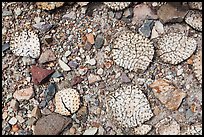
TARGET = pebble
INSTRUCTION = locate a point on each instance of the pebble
(14, 104)
(50, 92)
(64, 59)
(111, 14)
(5, 47)
(26, 61)
(76, 80)
(52, 124)
(63, 65)
(179, 71)
(100, 71)
(6, 13)
(128, 13)
(83, 10)
(90, 38)
(67, 53)
(93, 78)
(73, 64)
(83, 70)
(72, 130)
(17, 11)
(88, 46)
(71, 16)
(125, 78)
(99, 41)
(118, 15)
(92, 61)
(12, 121)
(57, 74)
(15, 128)
(91, 131)
(31, 121)
(146, 28)
(37, 19)
(47, 56)
(23, 94)
(36, 112)
(43, 26)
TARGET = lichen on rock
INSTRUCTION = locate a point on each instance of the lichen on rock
(117, 5)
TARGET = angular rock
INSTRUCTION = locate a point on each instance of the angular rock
(36, 112)
(71, 16)
(12, 121)
(76, 80)
(73, 64)
(128, 13)
(43, 26)
(23, 94)
(50, 92)
(52, 124)
(169, 13)
(146, 28)
(93, 78)
(125, 78)
(57, 74)
(14, 104)
(88, 46)
(141, 13)
(64, 66)
(40, 75)
(90, 38)
(167, 93)
(99, 41)
(47, 56)
(5, 47)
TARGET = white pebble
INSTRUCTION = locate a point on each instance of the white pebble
(13, 121)
(100, 71)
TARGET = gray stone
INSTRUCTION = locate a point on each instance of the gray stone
(125, 78)
(6, 13)
(12, 121)
(43, 26)
(52, 124)
(99, 41)
(111, 14)
(73, 64)
(50, 92)
(71, 16)
(88, 46)
(47, 56)
(14, 104)
(18, 11)
(5, 47)
(128, 13)
(118, 15)
(57, 74)
(146, 28)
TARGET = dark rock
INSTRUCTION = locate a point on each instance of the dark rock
(52, 124)
(73, 64)
(5, 47)
(99, 41)
(118, 14)
(50, 92)
(48, 39)
(40, 75)
(57, 74)
(43, 26)
(146, 28)
(42, 104)
(170, 13)
(76, 80)
(47, 56)
(128, 13)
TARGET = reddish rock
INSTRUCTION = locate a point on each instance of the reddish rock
(76, 80)
(24, 94)
(39, 75)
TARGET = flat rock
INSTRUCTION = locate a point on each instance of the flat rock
(40, 75)
(43, 26)
(47, 56)
(93, 78)
(63, 65)
(141, 13)
(169, 13)
(167, 93)
(52, 124)
(76, 80)
(23, 94)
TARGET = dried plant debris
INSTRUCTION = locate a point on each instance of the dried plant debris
(195, 5)
(67, 101)
(175, 48)
(167, 126)
(194, 19)
(117, 5)
(132, 51)
(195, 129)
(142, 130)
(167, 93)
(49, 5)
(128, 106)
(26, 44)
(197, 64)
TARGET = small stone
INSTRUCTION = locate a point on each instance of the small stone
(64, 59)
(57, 74)
(111, 14)
(100, 71)
(146, 28)
(47, 56)
(51, 124)
(93, 78)
(73, 64)
(14, 104)
(83, 3)
(169, 13)
(76, 80)
(179, 72)
(50, 92)
(36, 112)
(20, 119)
(83, 70)
(67, 53)
(42, 104)
(91, 61)
(24, 94)
(91, 131)
(90, 38)
(72, 130)
(125, 78)
(128, 13)
(15, 128)
(83, 10)
(12, 121)
(4, 115)
(64, 66)
(99, 41)
(71, 16)
(88, 46)
(5, 47)
(17, 11)
(40, 75)
(6, 13)
(31, 121)
(118, 15)
(43, 26)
